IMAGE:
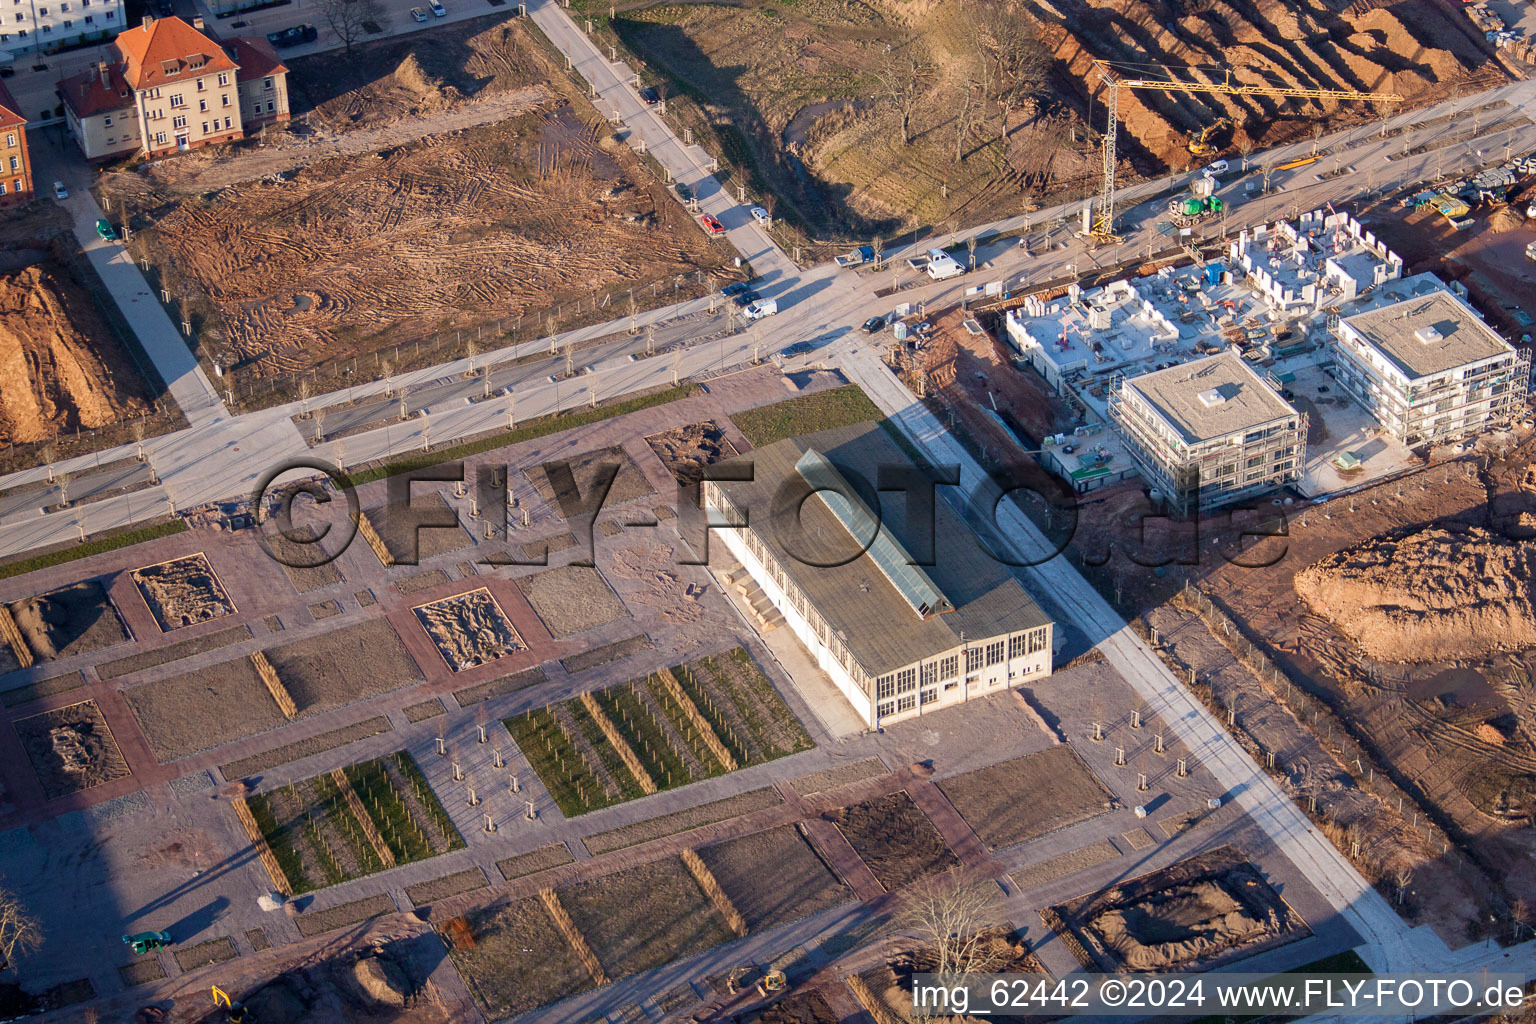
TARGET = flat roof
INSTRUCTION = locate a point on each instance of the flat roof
(1428, 334)
(850, 590)
(1211, 397)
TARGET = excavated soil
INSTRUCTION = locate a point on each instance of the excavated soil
(686, 450)
(71, 749)
(1416, 48)
(469, 629)
(60, 365)
(1429, 595)
(182, 592)
(1198, 911)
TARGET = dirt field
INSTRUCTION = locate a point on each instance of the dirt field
(183, 591)
(403, 541)
(1028, 796)
(70, 620)
(519, 960)
(1202, 911)
(685, 451)
(628, 484)
(202, 709)
(813, 95)
(774, 876)
(644, 916)
(356, 259)
(895, 838)
(807, 1007)
(1492, 264)
(71, 749)
(62, 367)
(344, 665)
(571, 598)
(469, 629)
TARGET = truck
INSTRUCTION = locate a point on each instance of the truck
(1200, 204)
(863, 254)
(760, 309)
(942, 266)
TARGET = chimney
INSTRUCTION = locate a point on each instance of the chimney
(148, 22)
(197, 22)
(106, 74)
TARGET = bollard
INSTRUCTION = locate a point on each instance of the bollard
(1120, 756)
(458, 773)
(1183, 769)
(442, 748)
(490, 824)
(1157, 746)
(473, 800)
(514, 785)
(482, 734)
(1135, 719)
(1098, 732)
(531, 815)
(1141, 782)
(496, 761)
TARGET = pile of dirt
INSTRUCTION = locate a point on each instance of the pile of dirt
(432, 90)
(182, 592)
(1180, 925)
(1506, 219)
(60, 369)
(1435, 594)
(378, 981)
(70, 620)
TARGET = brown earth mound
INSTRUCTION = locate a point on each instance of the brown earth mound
(1179, 925)
(1505, 219)
(60, 369)
(1434, 595)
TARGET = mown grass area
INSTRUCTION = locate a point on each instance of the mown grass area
(542, 426)
(553, 756)
(806, 414)
(111, 540)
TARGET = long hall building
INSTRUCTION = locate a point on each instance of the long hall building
(901, 628)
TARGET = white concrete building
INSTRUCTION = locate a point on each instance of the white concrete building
(898, 639)
(1429, 369)
(37, 26)
(1321, 260)
(1209, 432)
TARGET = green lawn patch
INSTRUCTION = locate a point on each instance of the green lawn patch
(108, 541)
(806, 414)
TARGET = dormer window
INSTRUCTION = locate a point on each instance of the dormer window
(170, 67)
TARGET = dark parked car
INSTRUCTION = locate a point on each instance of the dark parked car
(800, 348)
(735, 288)
(294, 36)
(745, 299)
(874, 324)
(651, 97)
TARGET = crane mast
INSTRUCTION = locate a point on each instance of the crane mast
(1103, 229)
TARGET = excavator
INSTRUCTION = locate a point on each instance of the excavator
(1200, 144)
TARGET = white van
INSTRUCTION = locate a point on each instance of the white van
(1216, 168)
(941, 266)
(760, 309)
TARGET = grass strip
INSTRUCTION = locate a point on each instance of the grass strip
(534, 861)
(173, 652)
(456, 884)
(99, 544)
(411, 772)
(842, 775)
(304, 748)
(542, 426)
(214, 951)
(632, 717)
(426, 709)
(552, 754)
(345, 914)
(806, 414)
(498, 687)
(279, 843)
(50, 687)
(683, 821)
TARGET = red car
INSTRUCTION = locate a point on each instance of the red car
(711, 225)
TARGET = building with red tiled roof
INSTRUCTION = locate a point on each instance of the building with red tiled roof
(174, 88)
(15, 164)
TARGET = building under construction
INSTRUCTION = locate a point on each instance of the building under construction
(1209, 432)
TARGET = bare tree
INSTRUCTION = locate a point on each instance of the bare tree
(349, 18)
(965, 119)
(1008, 44)
(1246, 149)
(905, 79)
(19, 931)
(63, 481)
(951, 916)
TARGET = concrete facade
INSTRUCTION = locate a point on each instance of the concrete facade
(1429, 369)
(39, 26)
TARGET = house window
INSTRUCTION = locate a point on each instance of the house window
(202, 106)
(42, 12)
(973, 659)
(223, 78)
(179, 121)
(90, 19)
(1016, 646)
(929, 695)
(69, 22)
(907, 702)
(159, 138)
(270, 106)
(226, 100)
(47, 30)
(18, 186)
(886, 710)
(906, 680)
(205, 127)
(949, 667)
(228, 123)
(995, 653)
(2, 188)
(177, 101)
(1036, 641)
(15, 164)
(108, 120)
(10, 140)
(267, 84)
(111, 139)
(200, 85)
(885, 686)
(110, 14)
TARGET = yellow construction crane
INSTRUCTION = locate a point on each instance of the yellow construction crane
(1103, 223)
(1199, 144)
